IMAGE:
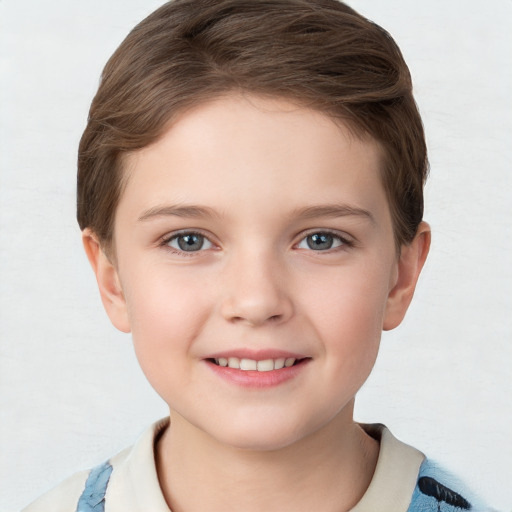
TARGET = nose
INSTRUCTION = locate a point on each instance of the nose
(256, 291)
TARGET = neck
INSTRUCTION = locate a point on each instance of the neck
(329, 471)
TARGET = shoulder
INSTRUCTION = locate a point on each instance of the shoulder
(439, 491)
(112, 485)
(406, 481)
(62, 498)
(84, 492)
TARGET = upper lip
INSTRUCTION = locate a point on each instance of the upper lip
(256, 355)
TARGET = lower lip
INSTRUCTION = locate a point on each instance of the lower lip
(255, 379)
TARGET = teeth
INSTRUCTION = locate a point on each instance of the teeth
(248, 364)
(279, 363)
(234, 362)
(266, 365)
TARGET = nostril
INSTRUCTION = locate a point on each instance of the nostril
(246, 307)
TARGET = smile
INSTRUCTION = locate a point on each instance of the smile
(265, 365)
(265, 369)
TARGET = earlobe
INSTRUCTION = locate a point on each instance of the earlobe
(411, 261)
(108, 281)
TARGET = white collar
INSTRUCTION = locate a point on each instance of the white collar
(395, 475)
(134, 484)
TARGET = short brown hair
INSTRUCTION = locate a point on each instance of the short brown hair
(320, 53)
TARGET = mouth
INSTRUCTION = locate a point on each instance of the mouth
(263, 370)
(264, 365)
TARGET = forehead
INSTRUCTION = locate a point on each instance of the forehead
(248, 152)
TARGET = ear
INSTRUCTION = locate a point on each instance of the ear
(411, 261)
(108, 281)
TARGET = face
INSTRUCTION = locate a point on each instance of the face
(255, 268)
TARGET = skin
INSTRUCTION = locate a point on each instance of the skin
(262, 176)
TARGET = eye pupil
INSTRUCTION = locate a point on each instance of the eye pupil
(190, 242)
(320, 241)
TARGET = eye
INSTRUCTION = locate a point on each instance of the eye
(189, 242)
(322, 241)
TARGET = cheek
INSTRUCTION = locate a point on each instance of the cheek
(166, 314)
(349, 299)
(347, 311)
(158, 297)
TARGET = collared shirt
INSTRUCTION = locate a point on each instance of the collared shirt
(404, 481)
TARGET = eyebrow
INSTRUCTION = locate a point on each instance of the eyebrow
(334, 211)
(189, 211)
(310, 212)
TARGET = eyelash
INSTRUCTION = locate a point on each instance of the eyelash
(344, 241)
(166, 240)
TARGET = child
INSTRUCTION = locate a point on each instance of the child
(250, 194)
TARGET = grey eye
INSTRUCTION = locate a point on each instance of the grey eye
(320, 241)
(189, 242)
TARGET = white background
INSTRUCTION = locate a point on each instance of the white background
(71, 393)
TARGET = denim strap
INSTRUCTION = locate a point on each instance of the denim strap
(93, 496)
